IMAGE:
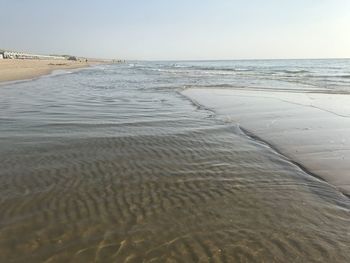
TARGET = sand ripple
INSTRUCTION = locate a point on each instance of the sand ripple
(168, 185)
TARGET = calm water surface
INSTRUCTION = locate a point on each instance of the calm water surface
(112, 164)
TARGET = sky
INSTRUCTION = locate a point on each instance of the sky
(178, 29)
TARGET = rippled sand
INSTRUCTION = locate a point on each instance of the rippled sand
(97, 171)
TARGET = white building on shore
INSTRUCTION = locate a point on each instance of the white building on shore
(21, 55)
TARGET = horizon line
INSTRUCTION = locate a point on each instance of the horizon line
(239, 59)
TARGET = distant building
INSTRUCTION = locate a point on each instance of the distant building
(72, 58)
(21, 55)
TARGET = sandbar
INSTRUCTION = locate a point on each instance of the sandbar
(311, 129)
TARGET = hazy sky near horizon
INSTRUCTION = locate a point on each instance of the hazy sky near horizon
(178, 29)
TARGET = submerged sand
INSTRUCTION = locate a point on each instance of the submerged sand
(106, 168)
(312, 129)
(110, 165)
(17, 69)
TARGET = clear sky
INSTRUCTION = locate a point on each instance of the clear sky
(178, 29)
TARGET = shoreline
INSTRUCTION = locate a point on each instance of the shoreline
(312, 130)
(17, 69)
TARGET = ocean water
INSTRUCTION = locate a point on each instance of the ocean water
(330, 76)
(113, 164)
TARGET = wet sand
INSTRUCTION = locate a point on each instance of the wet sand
(19, 69)
(112, 164)
(312, 129)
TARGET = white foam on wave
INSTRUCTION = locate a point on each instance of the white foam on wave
(58, 72)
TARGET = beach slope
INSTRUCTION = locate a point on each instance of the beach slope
(312, 129)
(16, 69)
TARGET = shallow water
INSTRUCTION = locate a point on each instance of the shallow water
(112, 164)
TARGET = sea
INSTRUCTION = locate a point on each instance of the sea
(113, 164)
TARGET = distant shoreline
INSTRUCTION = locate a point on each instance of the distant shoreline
(22, 69)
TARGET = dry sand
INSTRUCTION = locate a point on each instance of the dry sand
(17, 69)
(311, 129)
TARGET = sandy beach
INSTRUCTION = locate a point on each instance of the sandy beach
(112, 164)
(16, 69)
(310, 128)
